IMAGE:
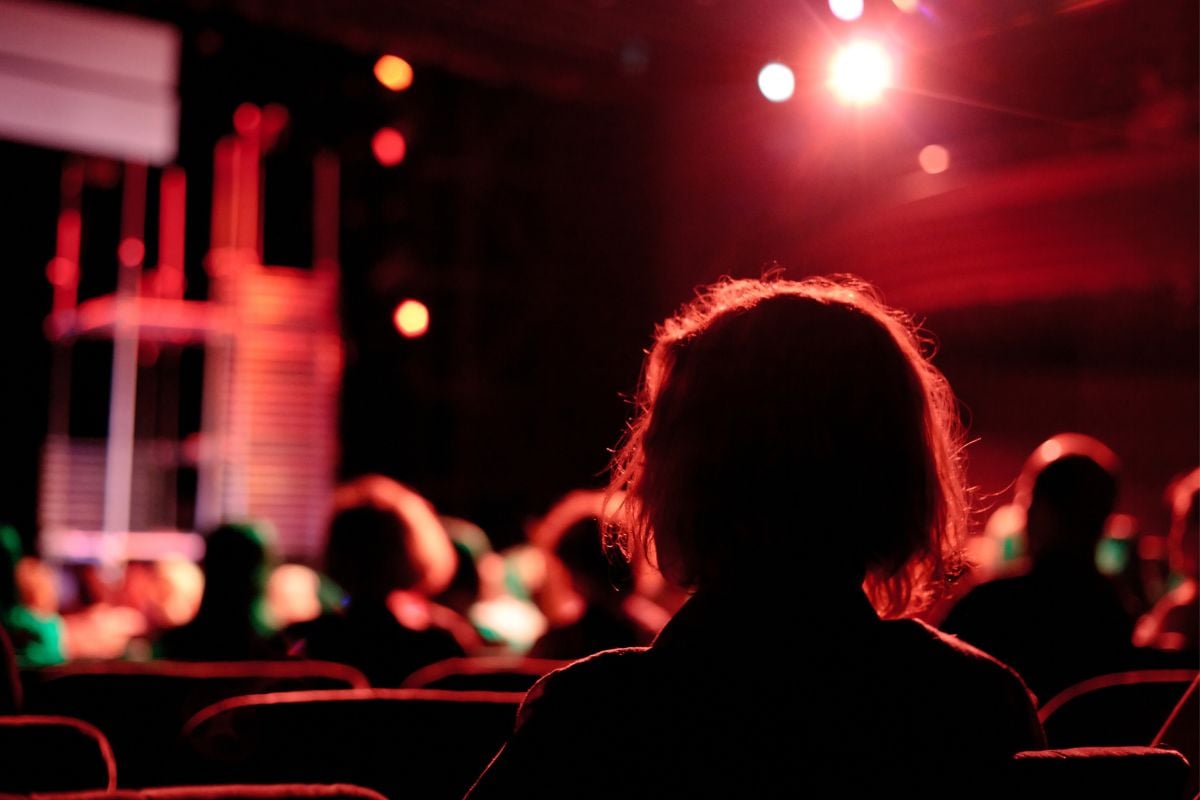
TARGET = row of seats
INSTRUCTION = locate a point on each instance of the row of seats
(315, 723)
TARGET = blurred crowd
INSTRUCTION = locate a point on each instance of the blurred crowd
(1061, 587)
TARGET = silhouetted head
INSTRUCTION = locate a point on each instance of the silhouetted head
(794, 432)
(1068, 488)
(383, 537)
(581, 550)
(237, 560)
(1184, 539)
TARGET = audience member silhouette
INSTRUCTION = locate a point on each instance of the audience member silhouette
(796, 462)
(1062, 621)
(232, 622)
(1173, 624)
(29, 606)
(389, 553)
(604, 622)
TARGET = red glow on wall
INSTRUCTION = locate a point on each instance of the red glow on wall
(388, 146)
(411, 319)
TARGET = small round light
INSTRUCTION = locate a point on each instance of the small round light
(389, 146)
(907, 6)
(846, 10)
(777, 82)
(934, 158)
(394, 72)
(411, 318)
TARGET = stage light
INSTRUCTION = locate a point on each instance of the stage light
(846, 10)
(246, 119)
(411, 318)
(860, 72)
(776, 81)
(934, 158)
(907, 6)
(394, 72)
(388, 146)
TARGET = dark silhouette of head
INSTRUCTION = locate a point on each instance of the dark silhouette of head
(237, 559)
(794, 431)
(581, 550)
(385, 537)
(1183, 541)
(1068, 489)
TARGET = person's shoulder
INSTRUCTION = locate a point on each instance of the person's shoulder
(600, 680)
(598, 668)
(949, 653)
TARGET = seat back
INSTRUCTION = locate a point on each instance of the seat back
(422, 743)
(1181, 732)
(142, 707)
(1095, 773)
(337, 791)
(50, 754)
(483, 673)
(1121, 709)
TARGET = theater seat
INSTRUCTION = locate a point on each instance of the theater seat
(1096, 773)
(1181, 732)
(419, 743)
(142, 707)
(483, 673)
(1124, 708)
(52, 754)
(337, 791)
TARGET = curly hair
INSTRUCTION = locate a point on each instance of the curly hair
(796, 425)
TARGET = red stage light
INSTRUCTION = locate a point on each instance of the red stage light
(860, 72)
(246, 119)
(394, 72)
(411, 318)
(388, 146)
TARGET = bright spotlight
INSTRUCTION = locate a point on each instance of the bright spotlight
(860, 72)
(846, 10)
(934, 158)
(394, 72)
(411, 319)
(777, 82)
(907, 6)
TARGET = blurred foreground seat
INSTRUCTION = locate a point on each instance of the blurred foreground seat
(337, 791)
(1124, 708)
(53, 754)
(1181, 732)
(404, 743)
(142, 707)
(1095, 773)
(483, 673)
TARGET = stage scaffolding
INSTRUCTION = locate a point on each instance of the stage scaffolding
(272, 360)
